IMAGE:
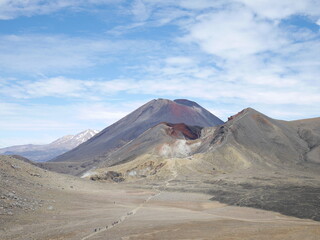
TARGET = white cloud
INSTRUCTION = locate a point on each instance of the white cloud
(43, 53)
(54, 87)
(54, 53)
(179, 61)
(108, 112)
(234, 33)
(58, 86)
(33, 117)
(166, 11)
(13, 9)
(275, 9)
(25, 123)
(140, 10)
(201, 4)
(252, 80)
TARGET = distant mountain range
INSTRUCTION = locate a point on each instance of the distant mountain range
(46, 152)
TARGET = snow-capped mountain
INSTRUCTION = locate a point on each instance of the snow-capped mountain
(46, 152)
(73, 141)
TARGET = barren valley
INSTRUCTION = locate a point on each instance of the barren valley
(66, 207)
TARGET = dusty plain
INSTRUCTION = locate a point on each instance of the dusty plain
(73, 208)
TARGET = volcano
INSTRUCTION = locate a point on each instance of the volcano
(88, 154)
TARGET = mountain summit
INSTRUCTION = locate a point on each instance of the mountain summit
(72, 141)
(134, 124)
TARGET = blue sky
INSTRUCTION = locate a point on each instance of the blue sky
(70, 65)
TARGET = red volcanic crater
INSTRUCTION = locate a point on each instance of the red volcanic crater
(179, 129)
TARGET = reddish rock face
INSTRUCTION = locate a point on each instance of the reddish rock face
(179, 110)
(179, 129)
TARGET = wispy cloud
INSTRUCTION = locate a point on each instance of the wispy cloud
(240, 34)
(277, 10)
(56, 53)
(12, 9)
(42, 123)
(269, 90)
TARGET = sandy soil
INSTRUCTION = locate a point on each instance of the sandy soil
(191, 216)
(111, 211)
(73, 208)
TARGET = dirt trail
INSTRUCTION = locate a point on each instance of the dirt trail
(98, 230)
(121, 219)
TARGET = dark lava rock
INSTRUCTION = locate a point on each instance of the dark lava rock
(110, 175)
(291, 200)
